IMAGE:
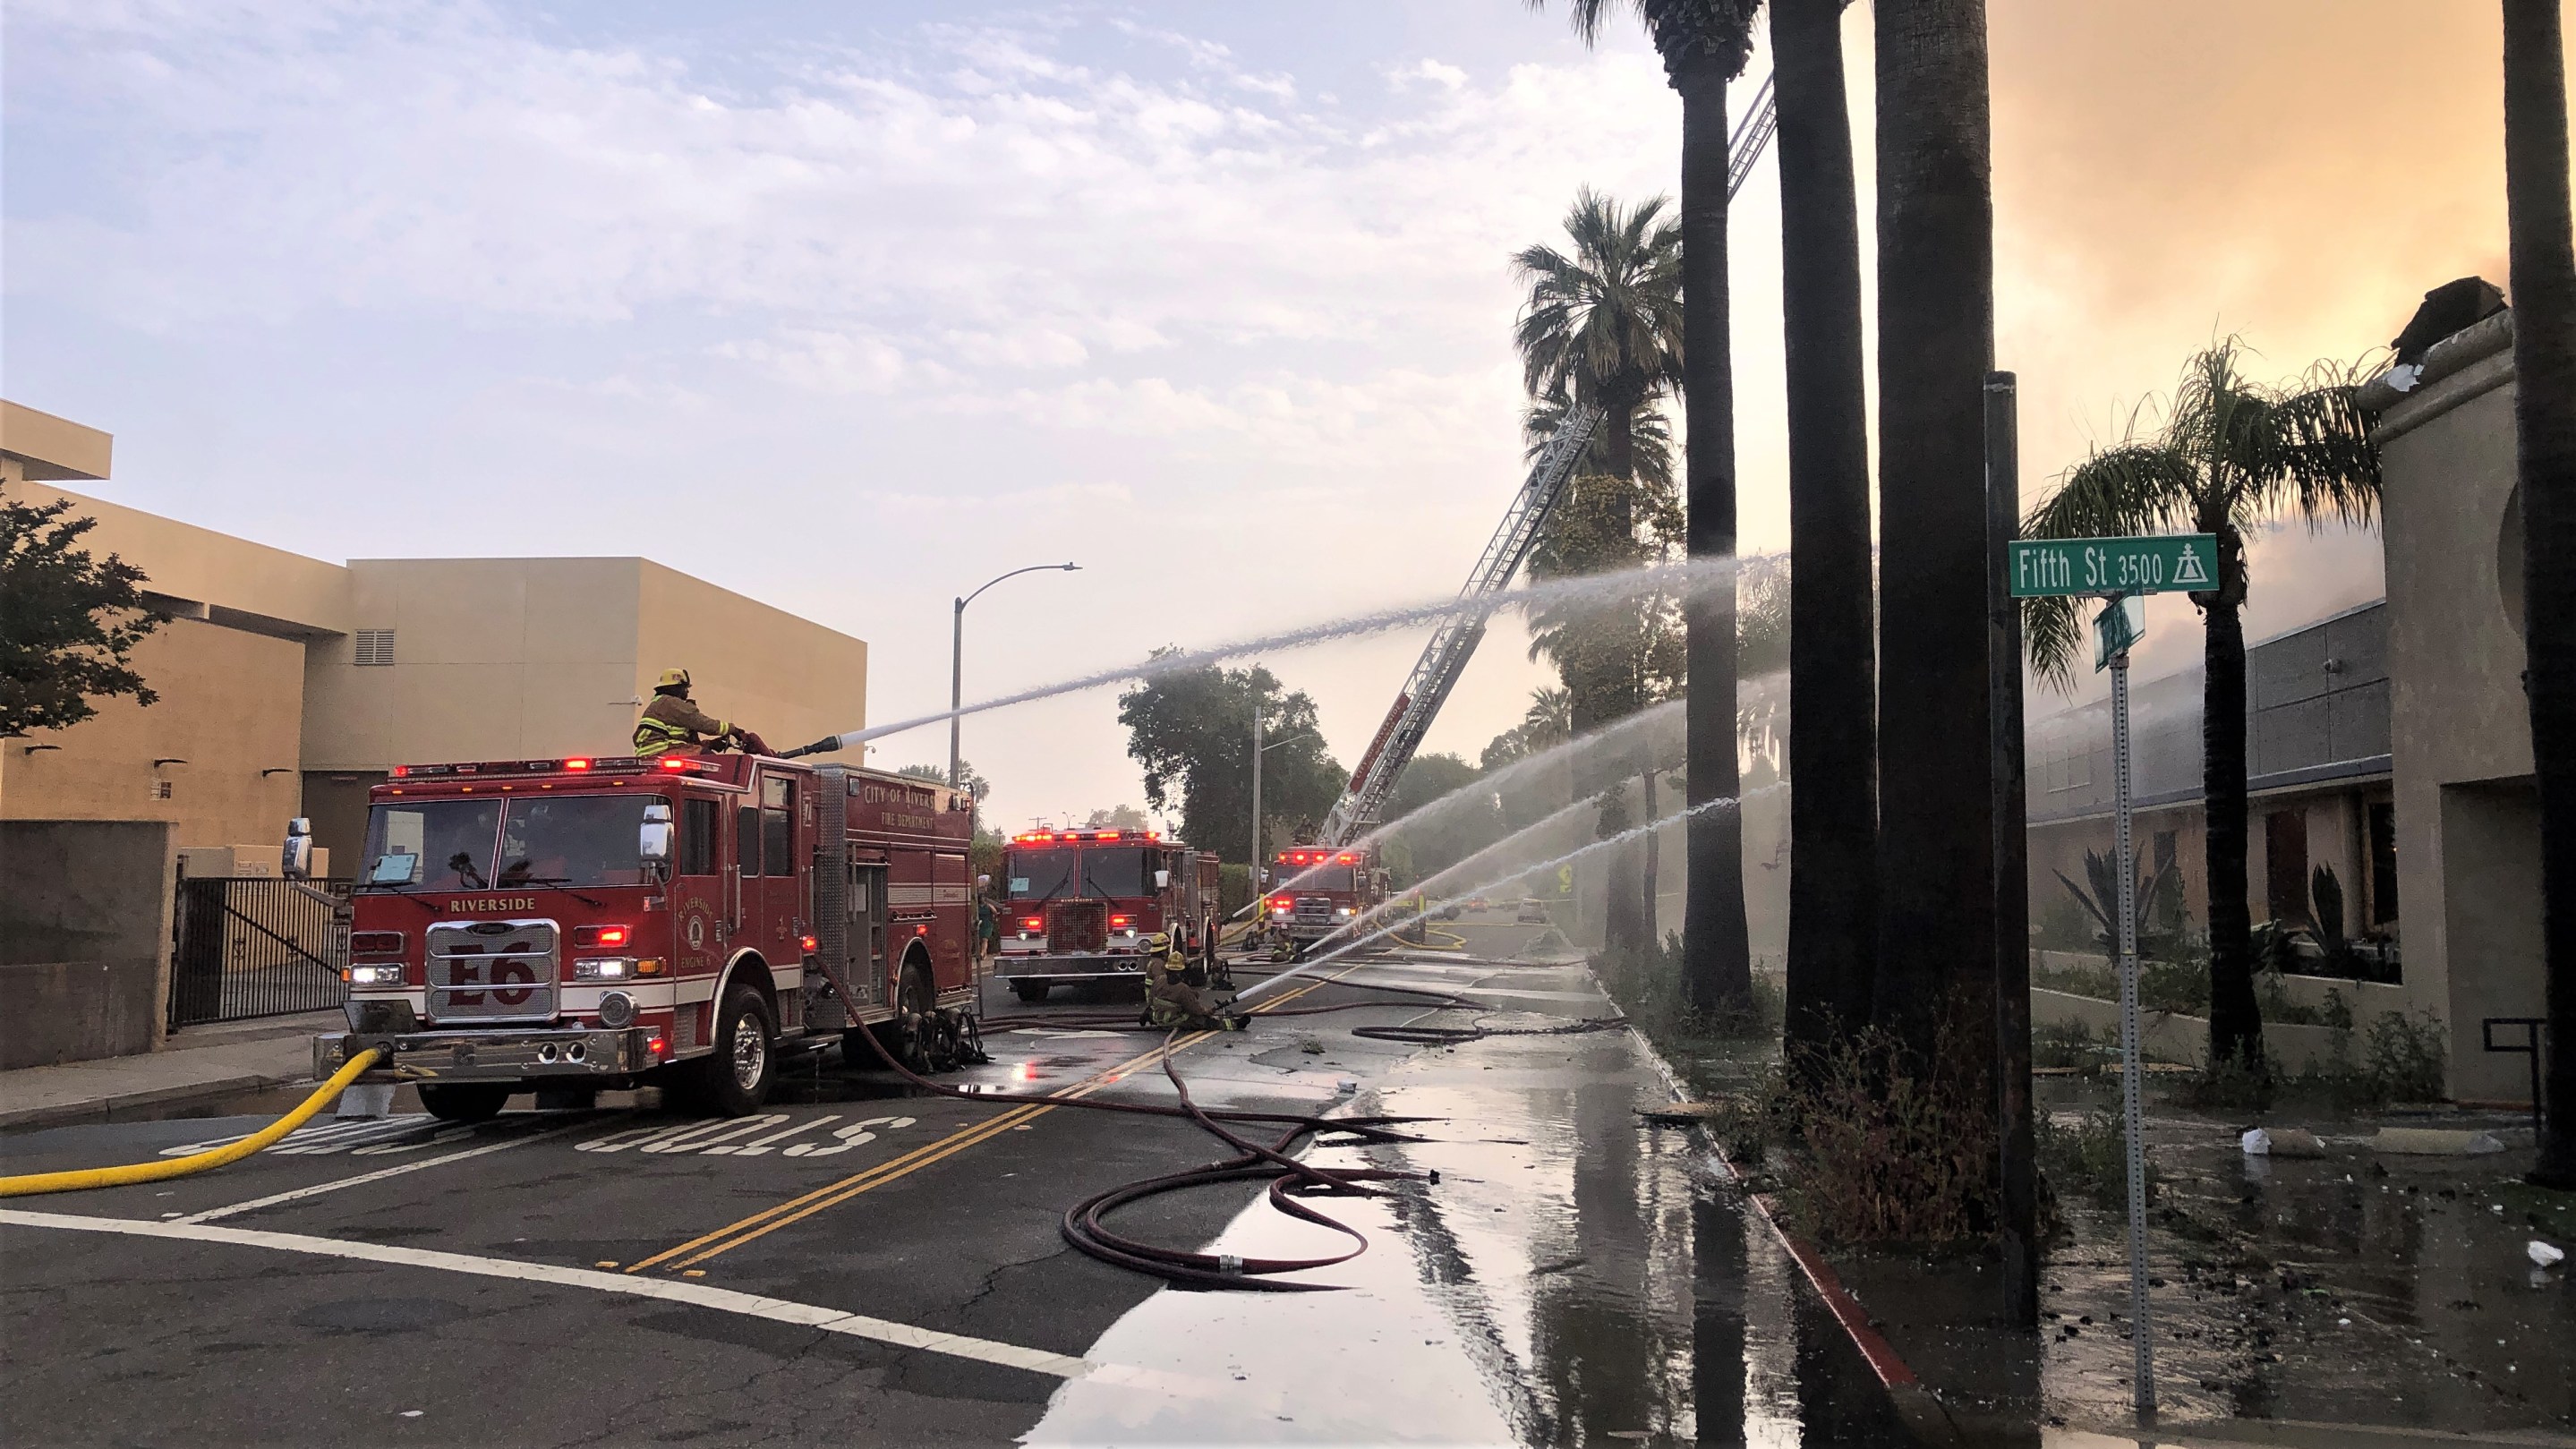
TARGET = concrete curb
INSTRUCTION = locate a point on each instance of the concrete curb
(1919, 1407)
(124, 1105)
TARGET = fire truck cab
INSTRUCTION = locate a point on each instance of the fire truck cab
(1077, 905)
(575, 924)
(1316, 892)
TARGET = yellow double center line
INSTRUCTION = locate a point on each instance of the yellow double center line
(768, 1220)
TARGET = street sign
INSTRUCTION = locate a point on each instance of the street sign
(2160, 563)
(2120, 625)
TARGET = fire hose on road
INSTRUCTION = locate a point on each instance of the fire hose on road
(83, 1178)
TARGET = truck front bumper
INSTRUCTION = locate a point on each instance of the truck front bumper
(1069, 968)
(491, 1056)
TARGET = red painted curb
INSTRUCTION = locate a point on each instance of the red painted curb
(1881, 1355)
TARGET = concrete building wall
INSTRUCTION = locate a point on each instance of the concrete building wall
(790, 679)
(228, 667)
(228, 717)
(491, 659)
(84, 938)
(2468, 847)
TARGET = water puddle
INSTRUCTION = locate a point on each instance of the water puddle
(1573, 1277)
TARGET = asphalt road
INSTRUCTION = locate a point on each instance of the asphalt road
(855, 1263)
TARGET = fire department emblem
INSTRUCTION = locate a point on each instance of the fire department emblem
(697, 932)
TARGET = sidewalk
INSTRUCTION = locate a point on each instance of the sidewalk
(200, 1062)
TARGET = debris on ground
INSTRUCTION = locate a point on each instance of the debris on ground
(2282, 1142)
(2544, 1255)
(2435, 1142)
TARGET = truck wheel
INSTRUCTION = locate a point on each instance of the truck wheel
(734, 1080)
(465, 1101)
(1031, 992)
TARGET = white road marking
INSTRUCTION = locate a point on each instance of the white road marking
(699, 1295)
(857, 1134)
(379, 1175)
(707, 1134)
(756, 1148)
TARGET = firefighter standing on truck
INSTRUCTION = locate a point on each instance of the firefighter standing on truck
(1172, 998)
(673, 722)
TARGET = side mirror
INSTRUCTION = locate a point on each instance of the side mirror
(295, 860)
(653, 838)
(1162, 880)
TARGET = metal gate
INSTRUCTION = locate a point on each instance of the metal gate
(257, 946)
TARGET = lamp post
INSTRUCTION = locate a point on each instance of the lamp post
(957, 659)
(1259, 749)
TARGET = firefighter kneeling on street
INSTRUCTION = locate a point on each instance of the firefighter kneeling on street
(672, 722)
(1172, 995)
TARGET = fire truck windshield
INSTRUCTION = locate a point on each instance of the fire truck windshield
(1310, 877)
(566, 840)
(1063, 872)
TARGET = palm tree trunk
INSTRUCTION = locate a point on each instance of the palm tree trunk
(1833, 736)
(1935, 345)
(2235, 1020)
(2544, 360)
(1622, 931)
(1717, 965)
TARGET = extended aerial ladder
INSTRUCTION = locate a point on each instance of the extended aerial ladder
(1454, 641)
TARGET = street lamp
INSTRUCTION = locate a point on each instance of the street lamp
(1258, 750)
(957, 660)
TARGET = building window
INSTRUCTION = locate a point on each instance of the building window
(2285, 858)
(2383, 863)
(375, 647)
(2165, 850)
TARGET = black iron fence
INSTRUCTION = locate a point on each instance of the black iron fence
(257, 946)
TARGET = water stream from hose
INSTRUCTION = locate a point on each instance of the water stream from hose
(1607, 842)
(1680, 579)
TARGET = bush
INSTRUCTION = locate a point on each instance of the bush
(2406, 1058)
(2091, 1159)
(1892, 1147)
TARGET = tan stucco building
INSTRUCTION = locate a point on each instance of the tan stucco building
(289, 685)
(2468, 807)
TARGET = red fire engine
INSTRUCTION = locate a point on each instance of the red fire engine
(1078, 904)
(1317, 891)
(576, 924)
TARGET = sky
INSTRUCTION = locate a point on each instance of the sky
(849, 307)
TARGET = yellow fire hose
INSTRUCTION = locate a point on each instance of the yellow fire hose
(82, 1178)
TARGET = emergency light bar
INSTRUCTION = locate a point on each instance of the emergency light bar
(1067, 837)
(569, 765)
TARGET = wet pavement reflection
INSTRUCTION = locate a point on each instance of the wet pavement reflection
(1575, 1276)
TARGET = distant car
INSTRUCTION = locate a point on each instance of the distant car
(1533, 912)
(1480, 904)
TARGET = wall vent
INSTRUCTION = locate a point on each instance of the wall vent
(375, 647)
(160, 789)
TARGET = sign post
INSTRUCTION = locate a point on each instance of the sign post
(2121, 571)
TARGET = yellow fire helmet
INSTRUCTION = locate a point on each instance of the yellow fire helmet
(1158, 943)
(672, 679)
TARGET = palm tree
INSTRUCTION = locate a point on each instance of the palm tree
(1602, 327)
(2231, 456)
(1935, 344)
(1833, 675)
(1704, 44)
(2544, 362)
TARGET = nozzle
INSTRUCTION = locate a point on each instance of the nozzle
(823, 746)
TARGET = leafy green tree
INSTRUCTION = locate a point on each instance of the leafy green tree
(2231, 455)
(2544, 413)
(1457, 830)
(976, 785)
(1192, 731)
(69, 621)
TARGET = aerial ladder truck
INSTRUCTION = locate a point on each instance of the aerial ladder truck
(1454, 641)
